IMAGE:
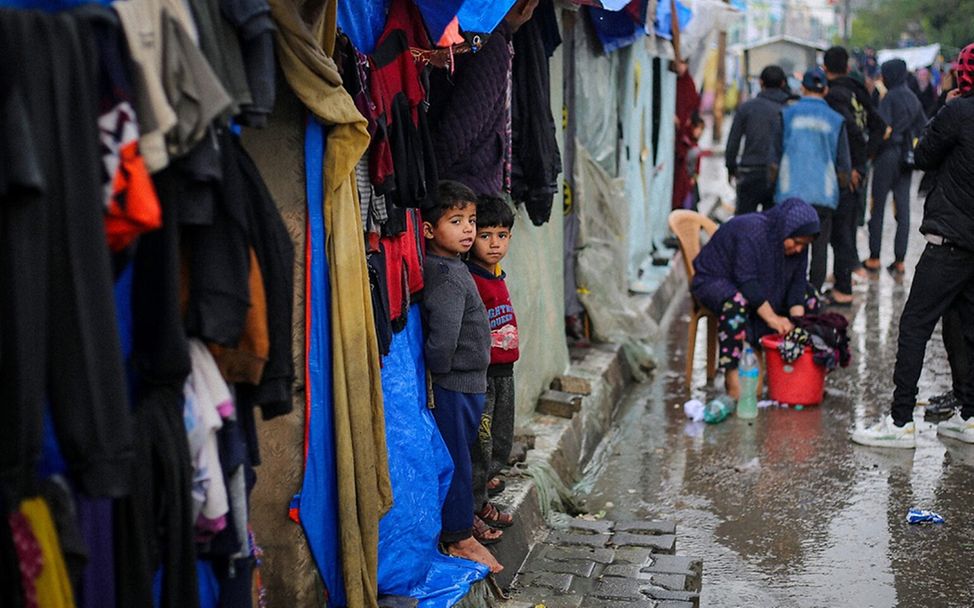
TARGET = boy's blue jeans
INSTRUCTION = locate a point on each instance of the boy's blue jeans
(457, 416)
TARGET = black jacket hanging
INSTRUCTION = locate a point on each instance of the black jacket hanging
(57, 313)
(536, 161)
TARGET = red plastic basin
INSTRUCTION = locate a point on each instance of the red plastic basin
(801, 382)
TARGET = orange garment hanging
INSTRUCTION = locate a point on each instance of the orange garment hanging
(53, 585)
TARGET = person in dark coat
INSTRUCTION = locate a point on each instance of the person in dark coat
(944, 276)
(865, 129)
(944, 404)
(687, 104)
(903, 112)
(925, 91)
(758, 122)
(753, 274)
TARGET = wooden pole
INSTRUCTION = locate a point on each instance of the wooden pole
(675, 31)
(719, 89)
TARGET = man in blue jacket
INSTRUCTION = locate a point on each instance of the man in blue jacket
(815, 164)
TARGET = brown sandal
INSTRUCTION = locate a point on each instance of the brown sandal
(872, 265)
(484, 534)
(492, 516)
(495, 486)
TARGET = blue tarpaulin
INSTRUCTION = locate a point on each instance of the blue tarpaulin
(363, 22)
(482, 15)
(474, 15)
(420, 469)
(318, 502)
(664, 28)
(438, 14)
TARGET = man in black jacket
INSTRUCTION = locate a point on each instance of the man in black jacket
(903, 113)
(944, 276)
(865, 129)
(758, 121)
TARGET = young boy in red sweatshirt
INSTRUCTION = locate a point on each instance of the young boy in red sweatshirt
(494, 223)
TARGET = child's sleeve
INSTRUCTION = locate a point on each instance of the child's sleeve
(444, 306)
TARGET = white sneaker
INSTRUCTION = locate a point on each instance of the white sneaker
(885, 434)
(957, 428)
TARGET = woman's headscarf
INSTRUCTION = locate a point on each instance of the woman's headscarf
(791, 219)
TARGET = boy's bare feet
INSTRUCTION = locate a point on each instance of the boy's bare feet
(469, 548)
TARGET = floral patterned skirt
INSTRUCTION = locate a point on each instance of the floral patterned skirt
(733, 325)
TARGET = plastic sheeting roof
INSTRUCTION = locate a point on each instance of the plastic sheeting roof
(363, 22)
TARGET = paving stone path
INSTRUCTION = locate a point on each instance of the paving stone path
(604, 564)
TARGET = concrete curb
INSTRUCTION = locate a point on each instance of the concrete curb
(566, 445)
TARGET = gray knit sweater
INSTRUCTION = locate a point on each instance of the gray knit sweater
(457, 332)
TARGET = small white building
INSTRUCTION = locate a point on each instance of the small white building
(794, 55)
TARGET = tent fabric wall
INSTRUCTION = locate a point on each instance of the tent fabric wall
(601, 269)
(535, 278)
(661, 185)
(288, 571)
(635, 154)
(596, 97)
(535, 268)
(622, 182)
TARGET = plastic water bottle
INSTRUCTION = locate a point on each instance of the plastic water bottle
(718, 409)
(747, 406)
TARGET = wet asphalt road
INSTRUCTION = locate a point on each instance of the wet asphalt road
(785, 510)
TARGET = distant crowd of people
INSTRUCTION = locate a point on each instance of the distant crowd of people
(812, 164)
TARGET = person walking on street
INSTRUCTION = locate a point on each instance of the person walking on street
(944, 276)
(865, 130)
(687, 104)
(758, 121)
(902, 111)
(814, 165)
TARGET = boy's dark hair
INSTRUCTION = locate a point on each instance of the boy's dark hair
(836, 60)
(772, 77)
(494, 212)
(449, 195)
(696, 120)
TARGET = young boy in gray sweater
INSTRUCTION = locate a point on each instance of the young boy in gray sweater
(457, 352)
